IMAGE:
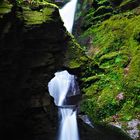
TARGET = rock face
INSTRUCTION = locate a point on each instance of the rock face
(92, 12)
(110, 34)
(100, 132)
(33, 45)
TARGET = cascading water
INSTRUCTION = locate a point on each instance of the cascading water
(67, 14)
(69, 130)
(64, 89)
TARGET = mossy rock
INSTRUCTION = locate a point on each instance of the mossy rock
(37, 13)
(99, 3)
(117, 41)
(103, 2)
(102, 106)
(129, 5)
(127, 111)
(95, 20)
(101, 18)
(115, 3)
(75, 55)
(106, 96)
(35, 17)
(61, 3)
(102, 10)
(133, 76)
(5, 8)
(113, 59)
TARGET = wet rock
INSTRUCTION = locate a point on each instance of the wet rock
(33, 45)
(100, 132)
(129, 5)
(133, 130)
(115, 3)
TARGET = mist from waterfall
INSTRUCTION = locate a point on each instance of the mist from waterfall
(61, 87)
(67, 14)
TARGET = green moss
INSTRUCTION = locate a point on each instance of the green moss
(127, 111)
(118, 42)
(42, 14)
(88, 22)
(133, 76)
(74, 64)
(91, 90)
(5, 8)
(106, 96)
(115, 2)
(75, 56)
(129, 4)
(44, 3)
(102, 2)
(33, 17)
(89, 106)
(114, 59)
(104, 103)
(92, 78)
(102, 10)
(36, 3)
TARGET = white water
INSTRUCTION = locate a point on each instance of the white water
(64, 85)
(68, 126)
(67, 14)
(61, 86)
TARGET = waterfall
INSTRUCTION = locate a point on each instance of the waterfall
(64, 88)
(65, 91)
(67, 14)
(69, 130)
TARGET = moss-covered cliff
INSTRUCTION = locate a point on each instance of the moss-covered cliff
(33, 45)
(110, 34)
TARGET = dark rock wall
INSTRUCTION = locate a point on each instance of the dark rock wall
(32, 46)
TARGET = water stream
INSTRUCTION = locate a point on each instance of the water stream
(67, 14)
(68, 127)
(64, 89)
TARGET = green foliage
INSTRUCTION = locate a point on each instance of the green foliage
(129, 4)
(89, 107)
(36, 13)
(127, 110)
(102, 10)
(5, 7)
(133, 76)
(37, 17)
(75, 56)
(32, 1)
(118, 43)
(115, 2)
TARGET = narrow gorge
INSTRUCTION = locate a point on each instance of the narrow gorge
(69, 69)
